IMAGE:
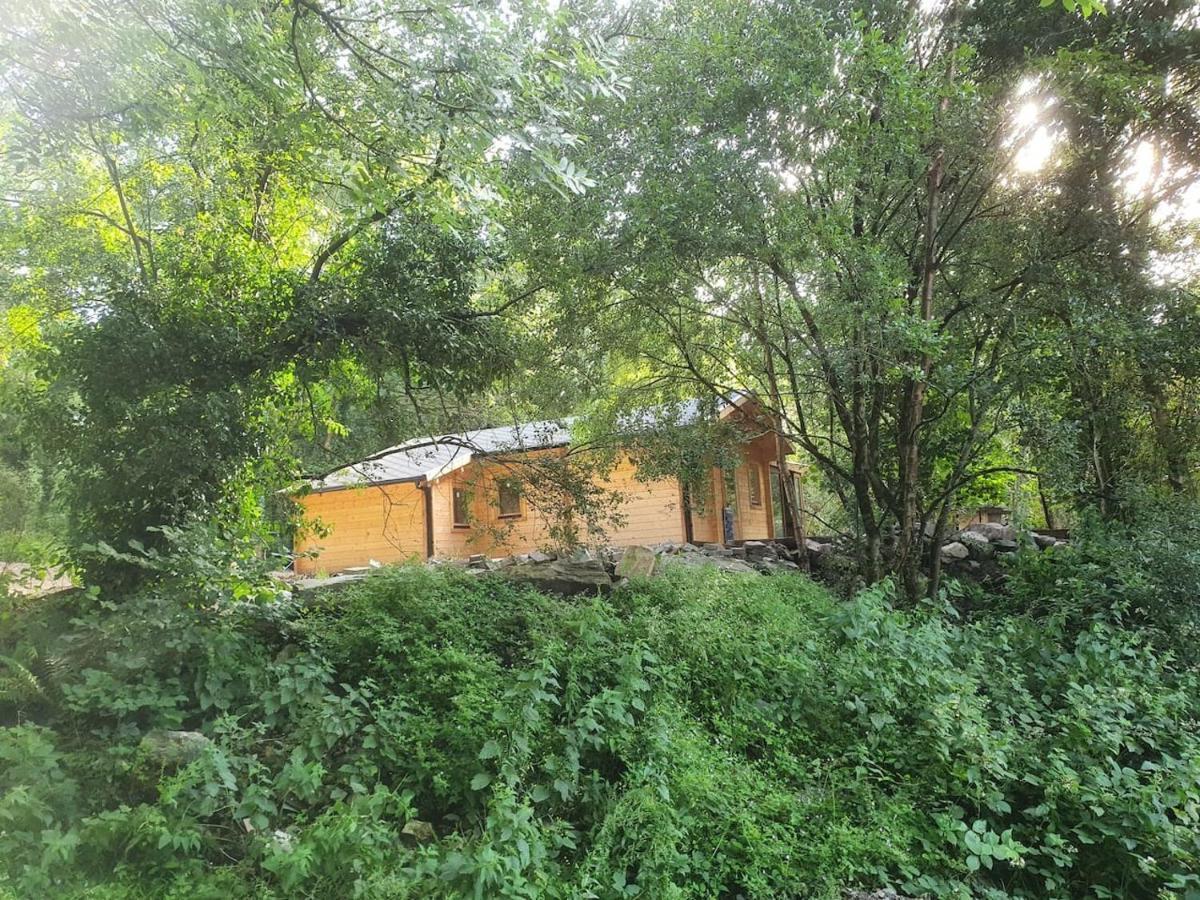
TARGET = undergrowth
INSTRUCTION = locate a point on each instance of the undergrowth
(697, 735)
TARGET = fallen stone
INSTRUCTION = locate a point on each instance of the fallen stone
(563, 576)
(879, 894)
(538, 556)
(722, 563)
(979, 546)
(954, 551)
(994, 531)
(308, 584)
(637, 562)
(1006, 546)
(1044, 540)
(174, 748)
(419, 832)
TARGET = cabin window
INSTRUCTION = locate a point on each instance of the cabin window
(754, 484)
(509, 499)
(462, 509)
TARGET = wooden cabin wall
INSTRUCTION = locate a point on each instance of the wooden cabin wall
(385, 523)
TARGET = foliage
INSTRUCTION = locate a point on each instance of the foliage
(1143, 575)
(698, 735)
(235, 220)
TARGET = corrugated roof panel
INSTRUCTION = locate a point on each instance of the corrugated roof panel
(432, 457)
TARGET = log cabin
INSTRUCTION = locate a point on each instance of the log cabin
(453, 496)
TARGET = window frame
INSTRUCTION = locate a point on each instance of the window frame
(754, 491)
(456, 494)
(513, 485)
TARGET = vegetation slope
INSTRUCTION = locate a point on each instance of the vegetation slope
(695, 735)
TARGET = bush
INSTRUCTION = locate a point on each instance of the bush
(698, 735)
(1142, 575)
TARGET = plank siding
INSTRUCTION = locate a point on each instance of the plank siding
(385, 523)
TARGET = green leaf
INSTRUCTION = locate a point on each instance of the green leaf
(490, 750)
(480, 781)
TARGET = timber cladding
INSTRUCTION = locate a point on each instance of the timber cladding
(397, 522)
(385, 523)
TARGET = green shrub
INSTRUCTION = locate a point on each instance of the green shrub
(697, 735)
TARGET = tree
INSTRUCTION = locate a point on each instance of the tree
(215, 210)
(826, 206)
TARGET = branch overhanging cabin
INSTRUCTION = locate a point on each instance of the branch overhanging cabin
(452, 496)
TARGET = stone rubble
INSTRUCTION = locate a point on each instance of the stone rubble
(972, 552)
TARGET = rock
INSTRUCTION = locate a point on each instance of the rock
(954, 551)
(689, 548)
(283, 840)
(723, 563)
(738, 552)
(994, 531)
(1044, 540)
(563, 576)
(538, 556)
(1059, 544)
(419, 832)
(978, 545)
(174, 748)
(476, 559)
(637, 562)
(709, 548)
(308, 584)
(1006, 546)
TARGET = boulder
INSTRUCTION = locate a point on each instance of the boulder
(563, 576)
(1044, 540)
(1006, 546)
(418, 832)
(994, 531)
(538, 556)
(637, 562)
(954, 551)
(174, 748)
(977, 545)
(724, 563)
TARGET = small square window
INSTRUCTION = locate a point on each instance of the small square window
(509, 499)
(462, 509)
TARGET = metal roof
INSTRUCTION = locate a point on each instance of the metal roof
(428, 458)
